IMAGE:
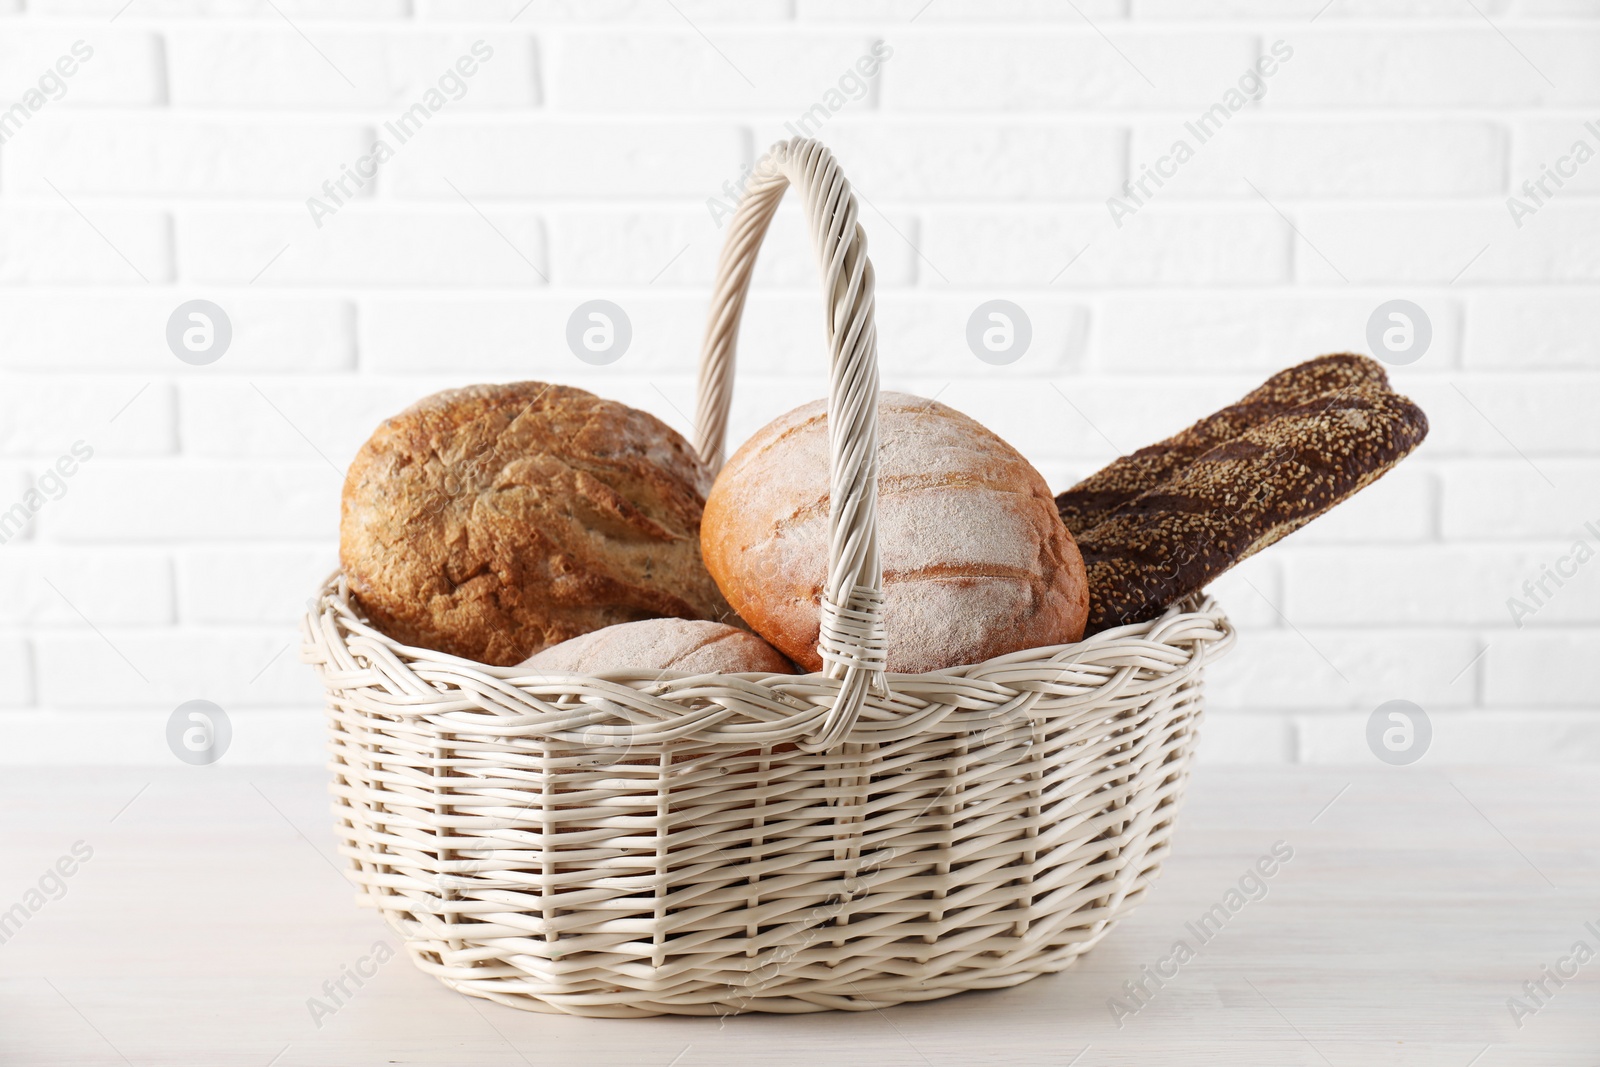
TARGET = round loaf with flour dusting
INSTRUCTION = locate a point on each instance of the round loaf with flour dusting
(493, 521)
(976, 560)
(690, 645)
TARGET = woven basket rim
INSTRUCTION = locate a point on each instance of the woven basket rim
(407, 682)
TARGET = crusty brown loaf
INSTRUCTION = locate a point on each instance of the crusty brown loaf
(689, 645)
(492, 521)
(976, 562)
(1094, 499)
(1241, 496)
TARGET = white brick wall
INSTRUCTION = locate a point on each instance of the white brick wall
(577, 162)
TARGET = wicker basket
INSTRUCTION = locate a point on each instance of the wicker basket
(646, 843)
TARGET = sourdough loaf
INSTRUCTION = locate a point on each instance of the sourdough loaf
(492, 521)
(976, 562)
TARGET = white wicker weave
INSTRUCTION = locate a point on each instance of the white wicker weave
(646, 843)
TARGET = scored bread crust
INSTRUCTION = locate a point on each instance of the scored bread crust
(976, 562)
(1093, 500)
(690, 645)
(492, 521)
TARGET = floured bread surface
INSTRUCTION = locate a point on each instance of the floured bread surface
(492, 521)
(976, 560)
(693, 646)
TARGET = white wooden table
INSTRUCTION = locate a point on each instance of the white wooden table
(1417, 903)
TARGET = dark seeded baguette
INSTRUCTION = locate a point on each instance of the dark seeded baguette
(1093, 500)
(1242, 495)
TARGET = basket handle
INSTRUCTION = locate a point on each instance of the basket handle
(851, 641)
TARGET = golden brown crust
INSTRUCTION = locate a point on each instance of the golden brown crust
(492, 521)
(689, 645)
(1093, 500)
(976, 562)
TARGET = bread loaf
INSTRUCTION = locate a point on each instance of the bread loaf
(1096, 497)
(976, 562)
(692, 646)
(492, 521)
(689, 646)
(1241, 495)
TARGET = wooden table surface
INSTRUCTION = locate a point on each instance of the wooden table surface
(1416, 904)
